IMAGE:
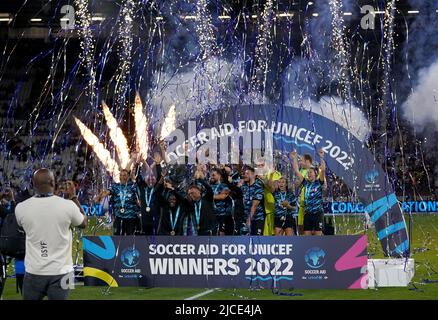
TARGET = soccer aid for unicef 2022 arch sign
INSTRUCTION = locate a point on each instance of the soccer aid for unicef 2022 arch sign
(314, 261)
(294, 128)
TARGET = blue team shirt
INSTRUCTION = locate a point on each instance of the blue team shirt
(131, 206)
(250, 193)
(221, 207)
(313, 203)
(281, 196)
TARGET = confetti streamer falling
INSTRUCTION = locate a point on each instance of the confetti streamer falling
(117, 136)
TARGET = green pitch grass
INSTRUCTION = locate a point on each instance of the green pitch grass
(425, 253)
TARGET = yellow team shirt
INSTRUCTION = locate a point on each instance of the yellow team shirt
(269, 205)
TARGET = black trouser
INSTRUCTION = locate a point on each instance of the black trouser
(257, 227)
(313, 221)
(36, 287)
(284, 222)
(148, 225)
(125, 226)
(147, 230)
(225, 224)
(19, 278)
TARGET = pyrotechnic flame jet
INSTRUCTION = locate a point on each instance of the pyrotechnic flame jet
(112, 166)
(102, 154)
(117, 136)
(141, 128)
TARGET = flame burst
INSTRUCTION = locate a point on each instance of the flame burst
(117, 136)
(141, 128)
(119, 140)
(169, 123)
(99, 149)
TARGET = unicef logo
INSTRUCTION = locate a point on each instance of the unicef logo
(371, 176)
(130, 257)
(315, 257)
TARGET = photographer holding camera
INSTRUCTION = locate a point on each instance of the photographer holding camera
(46, 220)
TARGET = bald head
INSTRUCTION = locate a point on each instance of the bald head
(43, 181)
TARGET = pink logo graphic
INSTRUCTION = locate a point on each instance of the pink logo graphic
(352, 260)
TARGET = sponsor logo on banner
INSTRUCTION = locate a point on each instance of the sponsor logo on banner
(372, 178)
(129, 259)
(315, 258)
(248, 135)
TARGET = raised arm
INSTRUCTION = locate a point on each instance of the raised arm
(200, 177)
(164, 156)
(71, 193)
(270, 182)
(208, 190)
(98, 198)
(159, 191)
(180, 197)
(144, 163)
(299, 175)
(322, 173)
(157, 165)
(134, 158)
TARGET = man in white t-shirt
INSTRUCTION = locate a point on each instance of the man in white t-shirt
(46, 220)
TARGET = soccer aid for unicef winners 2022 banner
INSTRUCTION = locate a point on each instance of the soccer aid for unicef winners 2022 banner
(222, 144)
